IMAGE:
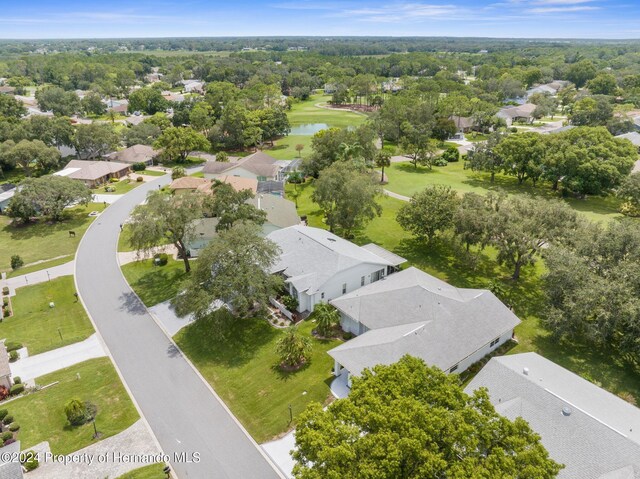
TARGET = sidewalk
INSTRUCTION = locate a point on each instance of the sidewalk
(33, 367)
(170, 321)
(278, 451)
(37, 277)
(396, 195)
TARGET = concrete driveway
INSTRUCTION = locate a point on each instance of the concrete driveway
(182, 410)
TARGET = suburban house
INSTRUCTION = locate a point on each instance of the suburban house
(281, 213)
(193, 86)
(258, 166)
(595, 434)
(463, 125)
(412, 312)
(7, 90)
(633, 137)
(520, 113)
(189, 183)
(6, 193)
(319, 266)
(551, 88)
(135, 154)
(94, 173)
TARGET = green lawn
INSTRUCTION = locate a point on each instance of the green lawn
(153, 471)
(244, 371)
(450, 263)
(406, 180)
(306, 112)
(197, 174)
(151, 173)
(37, 326)
(43, 240)
(121, 187)
(154, 284)
(41, 414)
(40, 266)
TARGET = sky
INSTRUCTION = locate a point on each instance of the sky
(193, 18)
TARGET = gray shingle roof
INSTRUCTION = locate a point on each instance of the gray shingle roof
(259, 163)
(450, 323)
(599, 439)
(11, 469)
(280, 212)
(309, 257)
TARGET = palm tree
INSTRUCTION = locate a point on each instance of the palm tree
(327, 317)
(383, 160)
(293, 348)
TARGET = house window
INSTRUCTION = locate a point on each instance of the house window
(362, 281)
(377, 275)
(321, 295)
(494, 342)
(453, 368)
(344, 288)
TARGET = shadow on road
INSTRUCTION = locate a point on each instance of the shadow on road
(173, 352)
(131, 304)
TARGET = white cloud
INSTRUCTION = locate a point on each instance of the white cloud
(543, 10)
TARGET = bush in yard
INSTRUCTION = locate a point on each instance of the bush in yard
(4, 392)
(13, 345)
(9, 441)
(5, 301)
(293, 348)
(451, 154)
(7, 419)
(76, 412)
(114, 180)
(14, 427)
(7, 435)
(2, 443)
(13, 356)
(17, 380)
(16, 389)
(16, 262)
(5, 291)
(440, 162)
(326, 317)
(31, 463)
(138, 166)
(3, 414)
(160, 259)
(290, 302)
(139, 179)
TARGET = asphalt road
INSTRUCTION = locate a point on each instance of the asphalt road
(181, 410)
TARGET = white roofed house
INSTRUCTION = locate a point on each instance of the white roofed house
(319, 266)
(595, 434)
(412, 312)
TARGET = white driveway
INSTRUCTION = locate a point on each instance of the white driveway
(278, 451)
(108, 199)
(35, 366)
(38, 276)
(170, 321)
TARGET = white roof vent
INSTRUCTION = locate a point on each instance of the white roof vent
(566, 411)
(525, 371)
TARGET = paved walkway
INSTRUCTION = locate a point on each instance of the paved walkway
(396, 196)
(183, 411)
(170, 321)
(33, 367)
(125, 257)
(36, 277)
(278, 451)
(108, 199)
(135, 440)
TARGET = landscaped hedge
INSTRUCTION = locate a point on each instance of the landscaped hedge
(7, 435)
(14, 427)
(138, 166)
(7, 420)
(5, 290)
(13, 356)
(16, 389)
(161, 259)
(12, 345)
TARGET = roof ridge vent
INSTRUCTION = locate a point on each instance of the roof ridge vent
(525, 371)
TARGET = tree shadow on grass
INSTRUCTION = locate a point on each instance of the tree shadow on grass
(285, 375)
(235, 345)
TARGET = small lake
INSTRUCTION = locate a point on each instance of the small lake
(308, 129)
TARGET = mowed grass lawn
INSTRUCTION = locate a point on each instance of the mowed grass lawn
(39, 327)
(407, 180)
(40, 266)
(307, 112)
(121, 187)
(243, 370)
(451, 263)
(41, 414)
(154, 284)
(153, 471)
(43, 240)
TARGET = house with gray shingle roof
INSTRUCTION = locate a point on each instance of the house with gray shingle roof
(412, 312)
(258, 166)
(595, 434)
(319, 266)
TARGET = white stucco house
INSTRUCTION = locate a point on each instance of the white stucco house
(319, 266)
(595, 434)
(412, 312)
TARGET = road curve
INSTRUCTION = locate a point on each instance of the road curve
(180, 408)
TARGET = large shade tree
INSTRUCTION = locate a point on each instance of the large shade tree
(411, 421)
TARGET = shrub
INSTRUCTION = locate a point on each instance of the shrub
(16, 389)
(451, 154)
(16, 262)
(31, 463)
(2, 443)
(13, 345)
(76, 412)
(4, 392)
(13, 356)
(109, 189)
(9, 441)
(293, 348)
(440, 162)
(138, 166)
(8, 419)
(514, 129)
(290, 302)
(17, 380)
(5, 301)
(160, 259)
(14, 427)
(7, 435)
(347, 336)
(139, 179)
(3, 414)
(114, 180)
(5, 291)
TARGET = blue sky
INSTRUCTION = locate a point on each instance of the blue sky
(486, 18)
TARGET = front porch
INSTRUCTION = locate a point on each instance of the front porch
(341, 385)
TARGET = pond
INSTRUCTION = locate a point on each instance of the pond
(308, 129)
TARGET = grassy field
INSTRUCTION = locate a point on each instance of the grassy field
(121, 187)
(406, 180)
(450, 263)
(244, 371)
(43, 240)
(41, 414)
(153, 471)
(40, 266)
(154, 284)
(39, 327)
(307, 112)
(151, 173)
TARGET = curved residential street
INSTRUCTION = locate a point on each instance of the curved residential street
(180, 408)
